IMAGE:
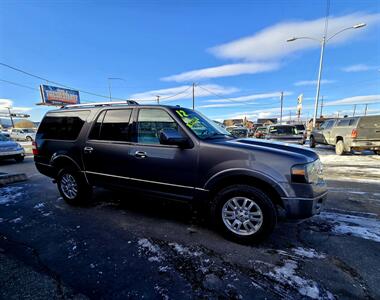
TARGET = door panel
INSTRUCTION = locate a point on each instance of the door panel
(106, 153)
(161, 168)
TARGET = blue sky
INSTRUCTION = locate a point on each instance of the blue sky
(235, 51)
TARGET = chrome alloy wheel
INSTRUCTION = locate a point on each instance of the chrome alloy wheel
(242, 216)
(69, 186)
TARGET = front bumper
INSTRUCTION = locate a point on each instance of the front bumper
(12, 154)
(301, 208)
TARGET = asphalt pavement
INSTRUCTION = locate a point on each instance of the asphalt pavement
(122, 246)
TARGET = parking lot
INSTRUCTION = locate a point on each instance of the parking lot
(123, 246)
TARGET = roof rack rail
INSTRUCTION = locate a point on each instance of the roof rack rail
(95, 104)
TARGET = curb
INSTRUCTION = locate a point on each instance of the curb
(12, 178)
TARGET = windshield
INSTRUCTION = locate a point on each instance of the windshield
(4, 138)
(300, 127)
(283, 130)
(203, 127)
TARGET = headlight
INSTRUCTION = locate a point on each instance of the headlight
(307, 173)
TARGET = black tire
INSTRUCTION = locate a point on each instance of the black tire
(261, 200)
(377, 152)
(83, 193)
(29, 139)
(312, 142)
(19, 158)
(339, 147)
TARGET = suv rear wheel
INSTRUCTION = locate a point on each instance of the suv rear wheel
(312, 142)
(73, 188)
(339, 147)
(244, 213)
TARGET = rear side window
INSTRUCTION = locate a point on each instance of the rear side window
(369, 122)
(112, 125)
(62, 125)
(343, 122)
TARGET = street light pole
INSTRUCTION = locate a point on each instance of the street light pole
(319, 81)
(323, 43)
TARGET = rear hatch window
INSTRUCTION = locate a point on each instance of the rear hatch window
(369, 128)
(62, 125)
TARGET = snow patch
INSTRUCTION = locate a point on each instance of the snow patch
(366, 228)
(287, 274)
(39, 205)
(182, 250)
(151, 249)
(10, 194)
(16, 220)
(307, 252)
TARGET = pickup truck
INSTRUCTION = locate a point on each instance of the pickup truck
(347, 134)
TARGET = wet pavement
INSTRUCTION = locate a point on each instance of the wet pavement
(123, 246)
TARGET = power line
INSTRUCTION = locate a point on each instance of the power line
(54, 82)
(19, 85)
(234, 100)
(82, 91)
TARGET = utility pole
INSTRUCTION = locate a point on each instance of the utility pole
(290, 117)
(10, 116)
(109, 89)
(158, 99)
(282, 100)
(365, 111)
(321, 107)
(193, 95)
(354, 111)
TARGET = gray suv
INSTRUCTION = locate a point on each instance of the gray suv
(352, 133)
(176, 153)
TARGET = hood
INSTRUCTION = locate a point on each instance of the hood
(291, 150)
(8, 144)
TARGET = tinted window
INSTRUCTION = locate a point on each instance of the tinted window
(95, 131)
(329, 124)
(62, 125)
(344, 122)
(150, 123)
(283, 130)
(115, 125)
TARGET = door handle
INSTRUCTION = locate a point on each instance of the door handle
(141, 154)
(88, 150)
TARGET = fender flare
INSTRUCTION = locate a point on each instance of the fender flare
(211, 182)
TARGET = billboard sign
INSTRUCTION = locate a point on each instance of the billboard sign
(52, 95)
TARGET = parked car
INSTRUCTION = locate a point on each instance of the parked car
(23, 134)
(10, 149)
(284, 133)
(260, 132)
(353, 133)
(177, 153)
(238, 132)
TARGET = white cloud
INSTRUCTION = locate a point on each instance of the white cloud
(223, 71)
(366, 99)
(359, 68)
(270, 43)
(5, 103)
(243, 100)
(252, 97)
(312, 82)
(8, 103)
(184, 92)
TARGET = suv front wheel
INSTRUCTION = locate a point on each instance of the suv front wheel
(73, 188)
(244, 213)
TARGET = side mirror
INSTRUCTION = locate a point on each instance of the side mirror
(173, 137)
